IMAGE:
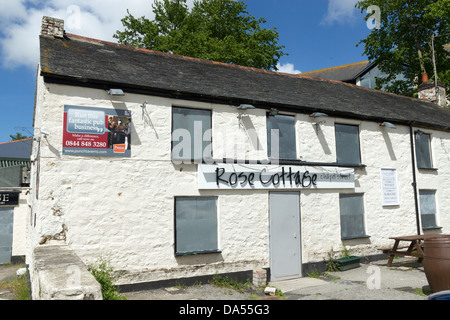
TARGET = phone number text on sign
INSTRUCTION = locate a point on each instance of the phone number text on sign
(87, 144)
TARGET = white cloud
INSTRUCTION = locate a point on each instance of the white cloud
(20, 23)
(12, 10)
(340, 11)
(287, 68)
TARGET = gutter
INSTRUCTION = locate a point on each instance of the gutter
(414, 183)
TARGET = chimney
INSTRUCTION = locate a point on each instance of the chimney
(52, 27)
(429, 91)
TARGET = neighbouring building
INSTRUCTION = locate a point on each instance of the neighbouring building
(175, 167)
(365, 74)
(14, 190)
(362, 74)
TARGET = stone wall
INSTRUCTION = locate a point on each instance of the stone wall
(57, 273)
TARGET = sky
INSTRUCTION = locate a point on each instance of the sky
(316, 34)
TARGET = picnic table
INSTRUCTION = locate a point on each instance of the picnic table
(414, 249)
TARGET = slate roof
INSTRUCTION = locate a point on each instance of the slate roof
(344, 73)
(19, 149)
(81, 61)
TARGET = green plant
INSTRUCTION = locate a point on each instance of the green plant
(422, 292)
(345, 253)
(181, 286)
(330, 277)
(331, 264)
(314, 274)
(234, 284)
(104, 274)
(279, 293)
(18, 287)
(231, 283)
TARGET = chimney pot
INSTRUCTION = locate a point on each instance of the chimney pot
(52, 27)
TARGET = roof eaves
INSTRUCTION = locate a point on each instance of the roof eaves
(15, 141)
(336, 68)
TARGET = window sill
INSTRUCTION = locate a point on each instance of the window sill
(431, 228)
(428, 169)
(355, 166)
(323, 164)
(356, 237)
(196, 253)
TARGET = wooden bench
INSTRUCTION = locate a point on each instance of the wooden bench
(413, 250)
(390, 249)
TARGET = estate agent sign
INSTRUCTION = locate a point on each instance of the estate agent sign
(92, 131)
(235, 177)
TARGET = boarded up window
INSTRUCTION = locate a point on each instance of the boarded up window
(347, 144)
(352, 216)
(196, 225)
(281, 142)
(191, 134)
(423, 151)
(428, 208)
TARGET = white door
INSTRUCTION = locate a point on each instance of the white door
(285, 246)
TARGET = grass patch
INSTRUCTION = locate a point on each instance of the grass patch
(422, 292)
(314, 274)
(18, 286)
(225, 282)
(278, 293)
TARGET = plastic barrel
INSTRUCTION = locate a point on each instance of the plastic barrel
(443, 295)
(436, 263)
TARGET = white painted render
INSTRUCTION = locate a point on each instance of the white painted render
(123, 208)
(19, 227)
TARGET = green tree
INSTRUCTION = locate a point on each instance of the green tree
(218, 30)
(17, 136)
(403, 43)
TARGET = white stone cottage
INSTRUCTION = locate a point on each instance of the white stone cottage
(171, 166)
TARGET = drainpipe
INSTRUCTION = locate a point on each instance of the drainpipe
(414, 184)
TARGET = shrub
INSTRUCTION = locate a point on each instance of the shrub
(104, 274)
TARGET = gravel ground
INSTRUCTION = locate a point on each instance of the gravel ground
(405, 280)
(197, 292)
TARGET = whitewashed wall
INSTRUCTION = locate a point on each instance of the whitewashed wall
(123, 208)
(20, 225)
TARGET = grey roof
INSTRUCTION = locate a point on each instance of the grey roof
(81, 61)
(19, 149)
(345, 73)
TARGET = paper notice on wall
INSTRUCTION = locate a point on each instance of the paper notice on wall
(389, 187)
